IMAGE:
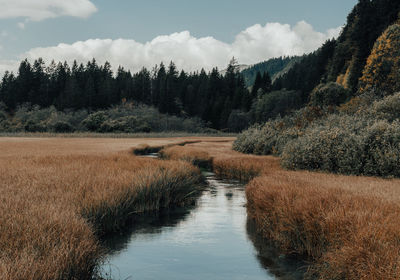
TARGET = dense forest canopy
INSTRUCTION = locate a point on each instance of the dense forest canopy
(210, 96)
(343, 60)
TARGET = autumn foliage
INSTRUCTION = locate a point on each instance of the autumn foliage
(382, 71)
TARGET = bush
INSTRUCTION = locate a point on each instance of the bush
(387, 108)
(94, 121)
(269, 139)
(32, 126)
(62, 127)
(329, 149)
(349, 145)
(125, 118)
(331, 94)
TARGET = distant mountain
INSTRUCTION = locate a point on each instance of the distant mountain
(275, 68)
(240, 68)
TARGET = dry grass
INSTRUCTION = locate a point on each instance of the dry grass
(189, 154)
(58, 195)
(219, 156)
(347, 226)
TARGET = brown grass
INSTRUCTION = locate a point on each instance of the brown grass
(347, 226)
(58, 195)
(189, 154)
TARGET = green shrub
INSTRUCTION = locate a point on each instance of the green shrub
(62, 127)
(94, 121)
(347, 145)
(331, 94)
(268, 139)
(31, 126)
(387, 108)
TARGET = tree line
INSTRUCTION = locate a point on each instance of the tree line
(210, 96)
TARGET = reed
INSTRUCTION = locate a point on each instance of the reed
(189, 154)
(347, 227)
(54, 204)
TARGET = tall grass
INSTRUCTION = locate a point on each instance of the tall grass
(189, 154)
(54, 207)
(348, 226)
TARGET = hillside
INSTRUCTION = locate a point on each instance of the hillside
(343, 60)
(337, 109)
(275, 68)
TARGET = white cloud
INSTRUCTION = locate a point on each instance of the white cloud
(37, 10)
(7, 65)
(21, 25)
(255, 44)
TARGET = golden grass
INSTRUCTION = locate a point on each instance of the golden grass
(58, 195)
(189, 154)
(347, 226)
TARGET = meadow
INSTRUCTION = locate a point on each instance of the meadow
(59, 195)
(347, 227)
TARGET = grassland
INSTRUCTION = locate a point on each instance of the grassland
(348, 227)
(58, 195)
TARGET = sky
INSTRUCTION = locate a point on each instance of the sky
(141, 33)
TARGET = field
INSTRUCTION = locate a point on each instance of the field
(58, 195)
(346, 226)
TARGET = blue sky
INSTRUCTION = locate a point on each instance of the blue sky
(26, 25)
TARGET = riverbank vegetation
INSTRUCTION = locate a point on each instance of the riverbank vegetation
(345, 226)
(125, 118)
(341, 131)
(56, 203)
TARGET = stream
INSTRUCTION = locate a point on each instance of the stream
(211, 240)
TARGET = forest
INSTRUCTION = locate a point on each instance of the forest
(349, 123)
(211, 97)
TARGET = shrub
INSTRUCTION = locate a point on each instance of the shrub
(387, 108)
(94, 121)
(268, 139)
(331, 94)
(32, 126)
(62, 127)
(348, 145)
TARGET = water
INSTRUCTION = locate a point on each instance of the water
(212, 240)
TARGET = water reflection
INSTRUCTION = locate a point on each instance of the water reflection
(284, 267)
(212, 240)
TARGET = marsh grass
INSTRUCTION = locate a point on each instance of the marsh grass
(54, 204)
(189, 154)
(346, 227)
(54, 207)
(145, 149)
